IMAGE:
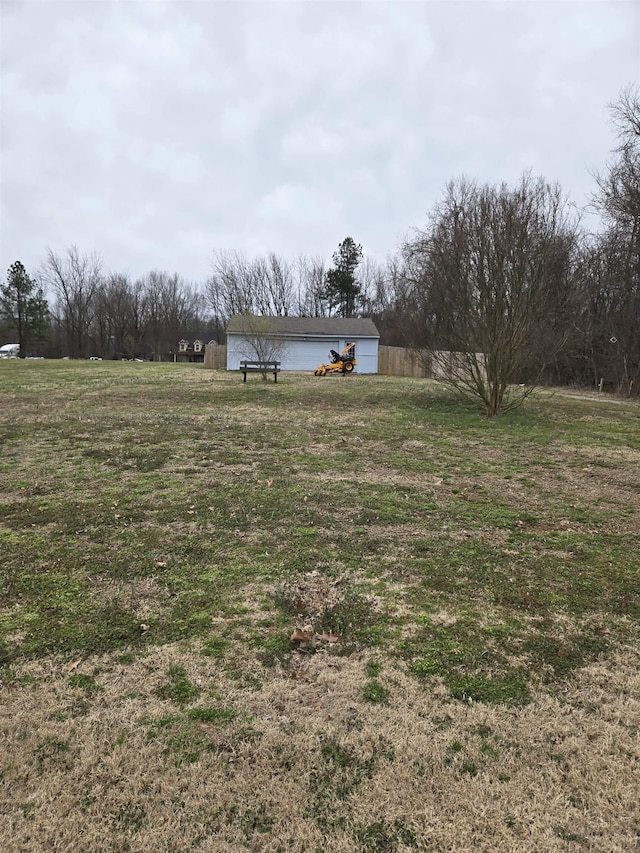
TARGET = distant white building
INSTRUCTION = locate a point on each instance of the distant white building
(10, 351)
(305, 342)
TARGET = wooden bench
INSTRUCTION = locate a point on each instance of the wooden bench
(263, 367)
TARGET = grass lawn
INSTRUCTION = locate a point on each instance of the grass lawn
(463, 594)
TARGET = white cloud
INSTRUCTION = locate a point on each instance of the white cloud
(156, 132)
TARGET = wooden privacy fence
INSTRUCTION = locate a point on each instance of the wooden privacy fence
(398, 361)
(215, 356)
(392, 361)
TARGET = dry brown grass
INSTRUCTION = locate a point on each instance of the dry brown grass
(454, 776)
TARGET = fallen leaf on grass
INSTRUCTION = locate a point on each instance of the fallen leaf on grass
(307, 637)
(330, 637)
(300, 636)
(71, 666)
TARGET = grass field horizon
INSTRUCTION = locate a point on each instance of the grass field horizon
(464, 591)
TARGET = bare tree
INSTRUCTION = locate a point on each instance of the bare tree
(612, 329)
(171, 310)
(310, 273)
(260, 339)
(74, 279)
(374, 295)
(263, 285)
(231, 287)
(487, 268)
(274, 286)
(119, 318)
(387, 299)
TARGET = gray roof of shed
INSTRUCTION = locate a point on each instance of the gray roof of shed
(321, 326)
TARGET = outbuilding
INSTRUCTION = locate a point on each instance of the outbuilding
(301, 343)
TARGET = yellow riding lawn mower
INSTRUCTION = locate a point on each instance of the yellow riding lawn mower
(341, 362)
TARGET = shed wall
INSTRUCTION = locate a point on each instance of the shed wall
(308, 352)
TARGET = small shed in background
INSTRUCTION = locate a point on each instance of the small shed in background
(301, 343)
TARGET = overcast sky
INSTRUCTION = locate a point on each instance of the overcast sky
(155, 133)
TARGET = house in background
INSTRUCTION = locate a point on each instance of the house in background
(193, 353)
(301, 343)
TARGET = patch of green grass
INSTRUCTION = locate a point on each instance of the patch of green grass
(489, 750)
(52, 752)
(565, 835)
(305, 532)
(386, 506)
(384, 837)
(215, 647)
(374, 691)
(340, 771)
(510, 688)
(556, 658)
(256, 820)
(82, 681)
(473, 667)
(179, 688)
(470, 758)
(212, 715)
(273, 649)
(250, 821)
(130, 817)
(183, 738)
(6, 655)
(372, 668)
(27, 810)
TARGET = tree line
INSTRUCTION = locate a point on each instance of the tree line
(504, 276)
